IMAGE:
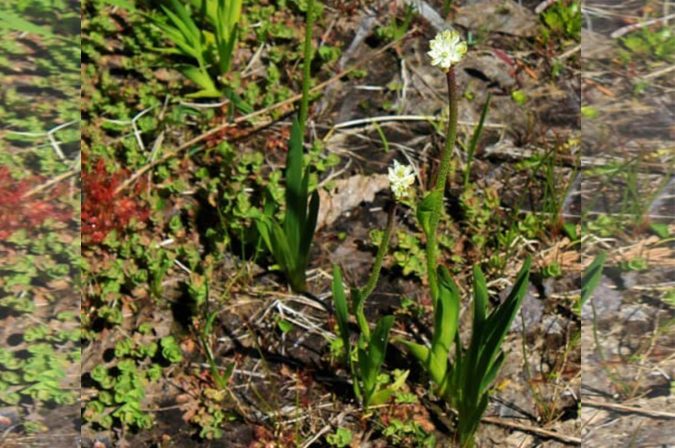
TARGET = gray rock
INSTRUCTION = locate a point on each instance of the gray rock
(492, 68)
(636, 320)
(553, 328)
(500, 16)
(606, 300)
(549, 285)
(530, 313)
(427, 11)
(630, 279)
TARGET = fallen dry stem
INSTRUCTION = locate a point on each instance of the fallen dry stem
(533, 430)
(627, 409)
(51, 182)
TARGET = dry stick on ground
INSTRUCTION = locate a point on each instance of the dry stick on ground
(335, 421)
(248, 117)
(532, 429)
(627, 409)
(51, 183)
(438, 412)
(627, 29)
(659, 73)
(541, 7)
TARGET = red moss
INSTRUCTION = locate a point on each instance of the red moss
(20, 212)
(102, 209)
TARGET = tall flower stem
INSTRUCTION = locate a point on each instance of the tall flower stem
(381, 251)
(307, 77)
(439, 187)
(367, 290)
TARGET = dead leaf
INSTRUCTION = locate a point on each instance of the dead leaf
(348, 194)
(59, 284)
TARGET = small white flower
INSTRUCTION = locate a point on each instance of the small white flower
(401, 178)
(447, 49)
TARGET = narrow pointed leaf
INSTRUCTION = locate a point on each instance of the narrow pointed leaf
(380, 397)
(263, 227)
(445, 324)
(227, 49)
(341, 313)
(15, 22)
(233, 14)
(419, 351)
(238, 101)
(281, 250)
(473, 144)
(377, 349)
(357, 308)
(424, 211)
(480, 298)
(501, 318)
(296, 204)
(185, 17)
(592, 275)
(200, 78)
(190, 35)
(492, 372)
(174, 35)
(310, 224)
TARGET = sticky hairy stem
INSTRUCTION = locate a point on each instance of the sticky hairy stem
(375, 274)
(439, 187)
(306, 78)
(381, 252)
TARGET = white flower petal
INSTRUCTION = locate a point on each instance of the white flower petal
(401, 177)
(447, 49)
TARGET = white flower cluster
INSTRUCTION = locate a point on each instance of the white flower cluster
(401, 178)
(447, 49)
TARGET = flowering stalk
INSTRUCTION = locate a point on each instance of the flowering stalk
(439, 187)
(466, 381)
(377, 267)
(371, 346)
(308, 54)
(447, 49)
(381, 251)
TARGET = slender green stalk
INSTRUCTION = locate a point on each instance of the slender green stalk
(474, 142)
(439, 187)
(308, 53)
(363, 293)
(446, 7)
(379, 258)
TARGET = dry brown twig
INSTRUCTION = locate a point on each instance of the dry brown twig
(51, 182)
(627, 409)
(435, 409)
(636, 26)
(533, 430)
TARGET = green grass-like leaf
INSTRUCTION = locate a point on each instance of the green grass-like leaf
(466, 383)
(341, 308)
(591, 277)
(13, 22)
(473, 144)
(291, 241)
